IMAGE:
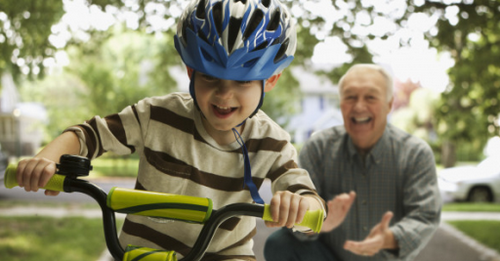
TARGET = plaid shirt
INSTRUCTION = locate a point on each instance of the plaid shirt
(398, 174)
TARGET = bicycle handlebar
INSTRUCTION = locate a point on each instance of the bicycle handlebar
(161, 205)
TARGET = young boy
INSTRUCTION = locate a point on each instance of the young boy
(213, 142)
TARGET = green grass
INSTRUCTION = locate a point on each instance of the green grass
(472, 207)
(484, 231)
(45, 238)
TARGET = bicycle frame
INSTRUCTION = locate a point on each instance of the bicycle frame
(159, 205)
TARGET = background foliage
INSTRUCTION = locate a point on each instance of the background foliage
(465, 115)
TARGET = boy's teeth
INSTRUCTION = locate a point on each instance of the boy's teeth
(223, 110)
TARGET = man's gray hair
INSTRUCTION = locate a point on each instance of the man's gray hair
(375, 67)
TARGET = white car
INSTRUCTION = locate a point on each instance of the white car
(479, 183)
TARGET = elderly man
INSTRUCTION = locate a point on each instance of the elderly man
(381, 184)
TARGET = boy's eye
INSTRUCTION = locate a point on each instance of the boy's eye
(208, 78)
(244, 82)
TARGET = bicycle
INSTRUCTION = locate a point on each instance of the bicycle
(153, 204)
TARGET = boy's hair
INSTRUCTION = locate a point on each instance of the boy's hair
(239, 40)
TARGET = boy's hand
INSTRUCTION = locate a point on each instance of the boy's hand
(380, 237)
(287, 208)
(338, 208)
(34, 173)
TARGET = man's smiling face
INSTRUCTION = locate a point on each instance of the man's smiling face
(364, 106)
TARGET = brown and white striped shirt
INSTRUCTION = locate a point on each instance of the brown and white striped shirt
(178, 156)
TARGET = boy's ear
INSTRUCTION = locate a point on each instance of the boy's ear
(271, 82)
(189, 71)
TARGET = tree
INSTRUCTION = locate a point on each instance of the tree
(25, 27)
(105, 75)
(469, 109)
(122, 68)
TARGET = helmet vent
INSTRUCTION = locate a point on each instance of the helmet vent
(266, 3)
(217, 14)
(234, 28)
(255, 20)
(275, 21)
(200, 11)
(261, 46)
(282, 51)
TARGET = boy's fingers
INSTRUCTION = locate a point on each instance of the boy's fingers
(19, 177)
(303, 207)
(274, 207)
(284, 209)
(47, 172)
(51, 193)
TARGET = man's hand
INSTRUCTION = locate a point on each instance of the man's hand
(380, 237)
(338, 208)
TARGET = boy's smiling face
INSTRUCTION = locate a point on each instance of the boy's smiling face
(225, 103)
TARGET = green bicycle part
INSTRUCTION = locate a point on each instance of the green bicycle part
(312, 219)
(55, 183)
(160, 205)
(135, 253)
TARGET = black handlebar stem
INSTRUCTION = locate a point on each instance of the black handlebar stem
(217, 217)
(108, 216)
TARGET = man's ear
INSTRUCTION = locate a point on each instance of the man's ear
(271, 82)
(390, 103)
(189, 71)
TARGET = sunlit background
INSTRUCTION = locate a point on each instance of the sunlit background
(62, 62)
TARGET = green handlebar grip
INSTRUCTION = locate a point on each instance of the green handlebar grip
(55, 183)
(161, 205)
(313, 219)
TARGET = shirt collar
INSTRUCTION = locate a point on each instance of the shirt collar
(376, 153)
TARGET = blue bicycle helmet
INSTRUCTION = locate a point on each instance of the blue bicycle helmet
(239, 40)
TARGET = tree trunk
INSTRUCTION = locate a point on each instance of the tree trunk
(448, 154)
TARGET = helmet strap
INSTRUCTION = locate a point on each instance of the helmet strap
(247, 174)
(261, 99)
(191, 90)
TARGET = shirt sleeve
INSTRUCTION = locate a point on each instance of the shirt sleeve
(422, 204)
(120, 133)
(294, 179)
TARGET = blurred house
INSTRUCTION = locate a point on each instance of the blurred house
(20, 123)
(319, 105)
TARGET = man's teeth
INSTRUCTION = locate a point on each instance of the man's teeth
(362, 120)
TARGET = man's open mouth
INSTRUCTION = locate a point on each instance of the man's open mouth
(361, 120)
